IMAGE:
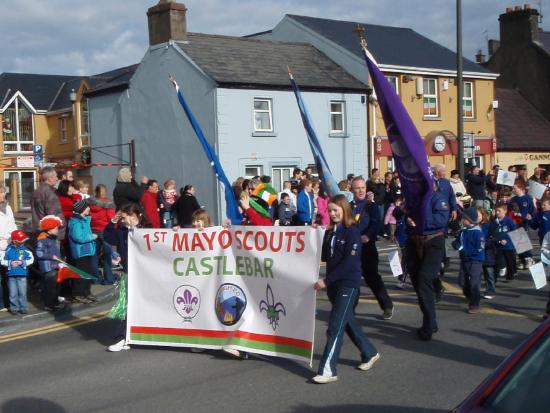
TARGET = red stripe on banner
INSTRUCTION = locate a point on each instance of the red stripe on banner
(222, 334)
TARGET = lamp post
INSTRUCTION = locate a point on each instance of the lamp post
(459, 89)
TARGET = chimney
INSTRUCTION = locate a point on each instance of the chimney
(519, 25)
(167, 21)
(480, 57)
(493, 46)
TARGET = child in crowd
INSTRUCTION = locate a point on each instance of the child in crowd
(305, 205)
(489, 265)
(541, 220)
(287, 189)
(166, 200)
(47, 254)
(201, 219)
(83, 248)
(82, 191)
(504, 195)
(345, 188)
(401, 238)
(287, 211)
(17, 259)
(342, 253)
(127, 218)
(471, 244)
(322, 207)
(526, 207)
(500, 225)
(390, 221)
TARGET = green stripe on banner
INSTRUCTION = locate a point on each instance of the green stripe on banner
(236, 341)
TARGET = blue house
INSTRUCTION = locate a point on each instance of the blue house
(239, 90)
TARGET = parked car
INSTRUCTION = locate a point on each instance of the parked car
(521, 383)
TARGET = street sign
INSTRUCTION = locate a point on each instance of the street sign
(469, 145)
(38, 153)
(25, 161)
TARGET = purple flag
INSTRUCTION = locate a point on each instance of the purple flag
(407, 146)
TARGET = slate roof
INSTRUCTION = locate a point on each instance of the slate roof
(519, 126)
(389, 45)
(253, 63)
(114, 79)
(39, 90)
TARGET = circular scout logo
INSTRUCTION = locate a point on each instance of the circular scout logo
(230, 304)
(187, 301)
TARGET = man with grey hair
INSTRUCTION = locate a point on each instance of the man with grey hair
(44, 200)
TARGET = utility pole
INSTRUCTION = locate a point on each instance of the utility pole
(132, 150)
(459, 89)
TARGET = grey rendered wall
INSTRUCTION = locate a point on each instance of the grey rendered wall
(166, 146)
(105, 128)
(289, 145)
(291, 31)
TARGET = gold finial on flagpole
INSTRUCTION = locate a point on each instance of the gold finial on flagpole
(289, 72)
(360, 30)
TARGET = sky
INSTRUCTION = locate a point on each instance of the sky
(83, 37)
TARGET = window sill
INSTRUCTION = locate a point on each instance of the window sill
(338, 135)
(436, 118)
(469, 119)
(264, 134)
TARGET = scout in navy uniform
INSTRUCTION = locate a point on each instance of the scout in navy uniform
(341, 252)
(506, 254)
(526, 209)
(541, 220)
(471, 244)
(425, 250)
(367, 216)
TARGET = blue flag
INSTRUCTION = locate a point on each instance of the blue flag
(232, 209)
(407, 146)
(327, 180)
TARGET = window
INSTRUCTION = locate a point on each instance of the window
(251, 171)
(394, 82)
(27, 184)
(263, 116)
(468, 100)
(84, 125)
(279, 174)
(17, 128)
(337, 116)
(429, 91)
(62, 130)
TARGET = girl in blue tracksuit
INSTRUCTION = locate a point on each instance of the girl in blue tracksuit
(490, 264)
(506, 254)
(342, 253)
(471, 244)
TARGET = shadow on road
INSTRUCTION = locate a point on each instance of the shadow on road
(31, 405)
(361, 408)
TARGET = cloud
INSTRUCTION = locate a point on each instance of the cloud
(82, 37)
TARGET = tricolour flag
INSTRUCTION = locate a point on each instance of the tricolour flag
(407, 146)
(232, 209)
(70, 272)
(325, 175)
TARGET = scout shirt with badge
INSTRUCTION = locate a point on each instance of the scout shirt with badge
(342, 253)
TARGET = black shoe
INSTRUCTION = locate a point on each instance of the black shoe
(424, 335)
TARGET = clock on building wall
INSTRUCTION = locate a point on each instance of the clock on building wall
(439, 143)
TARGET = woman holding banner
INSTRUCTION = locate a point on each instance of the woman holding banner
(342, 253)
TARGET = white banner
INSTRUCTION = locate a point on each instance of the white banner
(246, 288)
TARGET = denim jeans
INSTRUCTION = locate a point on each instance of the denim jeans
(167, 219)
(471, 272)
(342, 319)
(489, 273)
(106, 251)
(18, 293)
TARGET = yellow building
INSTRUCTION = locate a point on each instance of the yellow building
(430, 97)
(46, 110)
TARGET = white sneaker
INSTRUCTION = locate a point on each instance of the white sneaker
(488, 296)
(232, 351)
(368, 365)
(3, 310)
(324, 379)
(528, 262)
(121, 345)
(61, 299)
